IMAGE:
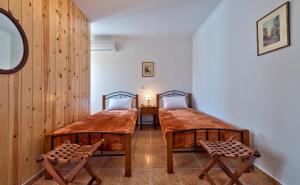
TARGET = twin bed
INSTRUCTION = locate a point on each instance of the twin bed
(182, 128)
(114, 126)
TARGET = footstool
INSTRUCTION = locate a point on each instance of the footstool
(70, 153)
(228, 149)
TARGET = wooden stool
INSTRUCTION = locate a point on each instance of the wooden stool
(70, 153)
(228, 149)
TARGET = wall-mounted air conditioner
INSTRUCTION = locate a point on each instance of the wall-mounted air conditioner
(103, 46)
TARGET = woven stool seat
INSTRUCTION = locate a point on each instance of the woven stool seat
(227, 149)
(70, 153)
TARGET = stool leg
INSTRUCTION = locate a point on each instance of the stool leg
(53, 172)
(207, 167)
(93, 174)
(246, 165)
(234, 179)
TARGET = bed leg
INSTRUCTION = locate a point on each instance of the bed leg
(246, 137)
(128, 155)
(246, 141)
(47, 148)
(169, 137)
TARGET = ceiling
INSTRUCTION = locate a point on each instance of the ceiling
(145, 17)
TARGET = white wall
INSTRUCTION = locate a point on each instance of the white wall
(260, 93)
(122, 70)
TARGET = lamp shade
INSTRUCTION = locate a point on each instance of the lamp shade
(148, 97)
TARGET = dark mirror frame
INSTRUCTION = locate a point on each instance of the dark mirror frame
(25, 44)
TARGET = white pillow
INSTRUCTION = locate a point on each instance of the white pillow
(174, 102)
(119, 104)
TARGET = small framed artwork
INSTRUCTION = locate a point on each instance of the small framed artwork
(148, 69)
(273, 30)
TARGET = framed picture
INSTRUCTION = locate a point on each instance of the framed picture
(273, 30)
(148, 69)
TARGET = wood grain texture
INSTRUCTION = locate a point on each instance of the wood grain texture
(50, 91)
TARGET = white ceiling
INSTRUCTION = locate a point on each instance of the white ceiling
(145, 17)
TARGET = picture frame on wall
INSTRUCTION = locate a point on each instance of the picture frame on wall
(147, 69)
(273, 30)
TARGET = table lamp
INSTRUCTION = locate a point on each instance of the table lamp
(148, 98)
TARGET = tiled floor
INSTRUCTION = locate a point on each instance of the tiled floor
(149, 166)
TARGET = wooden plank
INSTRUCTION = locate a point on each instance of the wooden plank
(4, 111)
(46, 111)
(71, 63)
(76, 64)
(89, 70)
(52, 65)
(15, 7)
(26, 118)
(58, 61)
(65, 60)
(4, 4)
(37, 135)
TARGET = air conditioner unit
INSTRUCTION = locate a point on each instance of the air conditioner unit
(103, 46)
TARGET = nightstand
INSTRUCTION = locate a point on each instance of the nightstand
(148, 110)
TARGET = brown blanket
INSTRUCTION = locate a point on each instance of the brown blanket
(188, 119)
(110, 125)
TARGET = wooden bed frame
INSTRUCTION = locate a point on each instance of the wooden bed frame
(49, 138)
(244, 133)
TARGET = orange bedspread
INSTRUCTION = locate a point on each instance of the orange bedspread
(188, 119)
(114, 124)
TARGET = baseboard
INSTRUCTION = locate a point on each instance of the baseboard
(34, 177)
(264, 172)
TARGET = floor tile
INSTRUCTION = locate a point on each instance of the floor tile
(182, 160)
(141, 149)
(157, 138)
(141, 161)
(158, 161)
(139, 177)
(111, 176)
(158, 149)
(114, 162)
(160, 176)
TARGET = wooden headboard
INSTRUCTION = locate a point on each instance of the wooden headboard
(120, 94)
(171, 93)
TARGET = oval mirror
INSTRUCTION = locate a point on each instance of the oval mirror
(13, 44)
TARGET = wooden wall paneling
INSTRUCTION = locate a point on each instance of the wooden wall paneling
(15, 7)
(51, 90)
(58, 61)
(26, 119)
(37, 71)
(4, 109)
